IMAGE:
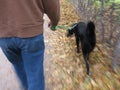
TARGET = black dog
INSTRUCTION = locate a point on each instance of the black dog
(84, 32)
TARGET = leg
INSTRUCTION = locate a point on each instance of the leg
(77, 43)
(14, 57)
(33, 57)
(86, 56)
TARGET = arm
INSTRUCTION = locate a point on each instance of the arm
(52, 9)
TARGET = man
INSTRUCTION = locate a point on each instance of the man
(21, 37)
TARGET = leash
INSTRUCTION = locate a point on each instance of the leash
(60, 27)
(63, 27)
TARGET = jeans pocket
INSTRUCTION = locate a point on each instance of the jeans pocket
(35, 44)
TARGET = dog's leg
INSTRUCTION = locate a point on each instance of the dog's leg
(77, 43)
(86, 56)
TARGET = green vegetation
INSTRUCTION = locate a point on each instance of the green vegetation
(117, 1)
(106, 2)
(108, 5)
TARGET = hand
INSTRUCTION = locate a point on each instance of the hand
(53, 28)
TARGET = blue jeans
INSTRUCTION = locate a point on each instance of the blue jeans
(27, 56)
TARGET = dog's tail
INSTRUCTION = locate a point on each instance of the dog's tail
(90, 28)
(91, 33)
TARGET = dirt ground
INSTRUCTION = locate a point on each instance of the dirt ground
(68, 70)
(64, 68)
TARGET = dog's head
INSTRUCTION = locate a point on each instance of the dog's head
(71, 30)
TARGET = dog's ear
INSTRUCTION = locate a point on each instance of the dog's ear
(72, 28)
(74, 25)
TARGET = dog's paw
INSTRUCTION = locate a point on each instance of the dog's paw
(89, 73)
